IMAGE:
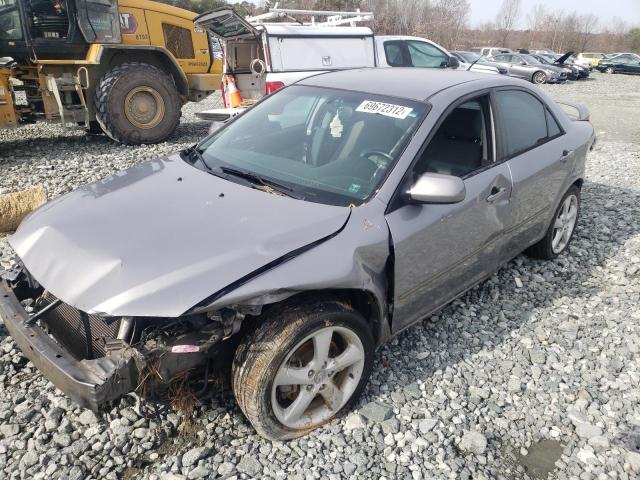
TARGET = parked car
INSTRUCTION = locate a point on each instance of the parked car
(620, 64)
(591, 57)
(316, 226)
(624, 55)
(529, 68)
(574, 71)
(490, 51)
(478, 63)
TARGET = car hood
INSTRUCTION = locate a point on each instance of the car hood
(563, 58)
(159, 238)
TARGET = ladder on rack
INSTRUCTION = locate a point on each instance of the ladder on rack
(330, 18)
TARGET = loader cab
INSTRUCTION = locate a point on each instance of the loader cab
(56, 29)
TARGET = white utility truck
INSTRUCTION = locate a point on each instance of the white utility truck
(275, 49)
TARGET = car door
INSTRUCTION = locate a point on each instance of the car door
(531, 143)
(442, 250)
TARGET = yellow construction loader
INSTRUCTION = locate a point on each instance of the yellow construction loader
(123, 67)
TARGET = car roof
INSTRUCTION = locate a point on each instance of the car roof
(410, 83)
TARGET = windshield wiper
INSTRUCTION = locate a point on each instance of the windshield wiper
(258, 180)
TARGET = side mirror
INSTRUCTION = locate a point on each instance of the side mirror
(437, 188)
(453, 62)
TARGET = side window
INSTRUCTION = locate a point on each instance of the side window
(524, 119)
(394, 52)
(462, 143)
(10, 28)
(178, 41)
(426, 55)
(552, 126)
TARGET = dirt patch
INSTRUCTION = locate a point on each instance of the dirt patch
(541, 458)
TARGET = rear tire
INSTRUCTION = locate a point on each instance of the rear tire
(286, 346)
(539, 78)
(137, 103)
(563, 226)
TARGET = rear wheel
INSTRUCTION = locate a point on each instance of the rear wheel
(302, 367)
(539, 78)
(137, 103)
(560, 232)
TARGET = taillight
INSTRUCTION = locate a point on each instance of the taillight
(271, 87)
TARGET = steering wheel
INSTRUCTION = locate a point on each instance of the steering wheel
(380, 166)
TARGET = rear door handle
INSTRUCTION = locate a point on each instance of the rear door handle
(565, 155)
(496, 193)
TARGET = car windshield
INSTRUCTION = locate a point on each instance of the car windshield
(469, 56)
(323, 145)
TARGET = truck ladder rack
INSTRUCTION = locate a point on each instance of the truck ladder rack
(333, 18)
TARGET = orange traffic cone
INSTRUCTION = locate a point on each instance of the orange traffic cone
(235, 99)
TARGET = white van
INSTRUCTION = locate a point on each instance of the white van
(263, 57)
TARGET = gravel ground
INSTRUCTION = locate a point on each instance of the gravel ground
(533, 374)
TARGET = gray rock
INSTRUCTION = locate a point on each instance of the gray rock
(633, 459)
(199, 472)
(193, 456)
(354, 421)
(587, 430)
(426, 425)
(226, 468)
(377, 412)
(29, 459)
(473, 442)
(349, 468)
(250, 466)
(9, 430)
(88, 418)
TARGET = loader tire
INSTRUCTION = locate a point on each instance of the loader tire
(137, 103)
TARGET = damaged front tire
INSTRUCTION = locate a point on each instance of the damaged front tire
(301, 367)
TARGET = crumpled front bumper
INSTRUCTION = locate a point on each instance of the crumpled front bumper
(90, 383)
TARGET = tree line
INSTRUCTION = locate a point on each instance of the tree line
(447, 22)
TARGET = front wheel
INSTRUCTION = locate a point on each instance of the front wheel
(609, 70)
(560, 232)
(301, 367)
(539, 78)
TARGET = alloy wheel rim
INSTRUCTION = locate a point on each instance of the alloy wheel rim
(144, 107)
(564, 224)
(540, 77)
(317, 378)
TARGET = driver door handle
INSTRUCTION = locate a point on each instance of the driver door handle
(496, 193)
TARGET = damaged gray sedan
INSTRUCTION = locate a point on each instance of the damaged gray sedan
(309, 230)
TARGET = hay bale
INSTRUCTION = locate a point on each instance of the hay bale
(15, 206)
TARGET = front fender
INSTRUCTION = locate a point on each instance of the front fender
(355, 259)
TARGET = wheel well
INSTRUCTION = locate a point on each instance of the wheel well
(578, 183)
(362, 301)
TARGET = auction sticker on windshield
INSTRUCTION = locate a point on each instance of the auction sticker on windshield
(387, 109)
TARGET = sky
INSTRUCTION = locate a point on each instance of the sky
(483, 11)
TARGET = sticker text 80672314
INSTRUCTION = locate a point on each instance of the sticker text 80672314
(386, 109)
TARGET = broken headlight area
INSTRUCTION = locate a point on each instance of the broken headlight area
(118, 354)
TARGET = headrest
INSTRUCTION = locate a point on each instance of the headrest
(464, 124)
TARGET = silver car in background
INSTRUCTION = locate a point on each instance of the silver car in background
(311, 229)
(529, 68)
